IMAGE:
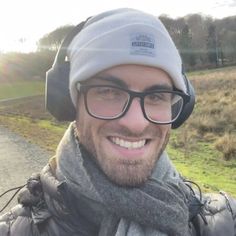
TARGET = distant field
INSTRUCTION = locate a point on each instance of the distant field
(15, 89)
(203, 149)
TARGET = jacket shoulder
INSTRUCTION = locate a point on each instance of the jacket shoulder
(41, 209)
(231, 204)
(24, 218)
(217, 216)
(17, 216)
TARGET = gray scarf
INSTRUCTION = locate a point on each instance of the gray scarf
(157, 208)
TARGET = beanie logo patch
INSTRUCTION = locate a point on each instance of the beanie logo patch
(142, 44)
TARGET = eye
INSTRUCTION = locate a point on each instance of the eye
(108, 92)
(154, 98)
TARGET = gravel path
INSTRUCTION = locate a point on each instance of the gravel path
(18, 160)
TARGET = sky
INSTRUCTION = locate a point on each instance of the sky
(24, 22)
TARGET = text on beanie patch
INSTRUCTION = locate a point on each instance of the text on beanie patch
(142, 44)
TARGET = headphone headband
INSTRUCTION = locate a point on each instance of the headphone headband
(62, 52)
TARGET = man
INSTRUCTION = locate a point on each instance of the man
(111, 174)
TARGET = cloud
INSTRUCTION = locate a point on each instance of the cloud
(233, 3)
(225, 3)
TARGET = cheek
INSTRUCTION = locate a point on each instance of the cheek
(166, 129)
(81, 118)
(166, 132)
(88, 127)
(162, 136)
(166, 137)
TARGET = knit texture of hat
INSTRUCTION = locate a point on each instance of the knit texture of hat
(123, 36)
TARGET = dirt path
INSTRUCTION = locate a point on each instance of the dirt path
(18, 160)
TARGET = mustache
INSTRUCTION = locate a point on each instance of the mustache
(123, 131)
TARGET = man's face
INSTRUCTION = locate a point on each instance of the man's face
(126, 149)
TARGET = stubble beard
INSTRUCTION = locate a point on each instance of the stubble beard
(122, 172)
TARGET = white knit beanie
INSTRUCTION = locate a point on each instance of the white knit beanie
(123, 36)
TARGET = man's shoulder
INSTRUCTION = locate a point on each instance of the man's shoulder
(17, 216)
(33, 206)
(43, 209)
(216, 215)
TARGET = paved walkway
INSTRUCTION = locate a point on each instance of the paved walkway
(18, 160)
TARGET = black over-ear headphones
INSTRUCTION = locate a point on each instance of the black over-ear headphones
(58, 100)
(188, 107)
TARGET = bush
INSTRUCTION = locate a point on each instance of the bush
(227, 145)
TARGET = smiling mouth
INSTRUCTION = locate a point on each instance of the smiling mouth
(128, 144)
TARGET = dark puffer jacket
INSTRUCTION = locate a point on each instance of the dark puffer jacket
(45, 209)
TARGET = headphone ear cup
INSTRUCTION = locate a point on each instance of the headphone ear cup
(187, 109)
(58, 101)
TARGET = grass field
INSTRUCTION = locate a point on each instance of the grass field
(15, 89)
(203, 149)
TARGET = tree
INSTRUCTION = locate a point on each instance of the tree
(186, 46)
(173, 27)
(198, 25)
(52, 40)
(226, 35)
(212, 47)
(32, 65)
(229, 46)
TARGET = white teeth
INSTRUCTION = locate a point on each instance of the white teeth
(127, 144)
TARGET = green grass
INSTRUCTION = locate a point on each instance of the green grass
(205, 166)
(50, 125)
(21, 89)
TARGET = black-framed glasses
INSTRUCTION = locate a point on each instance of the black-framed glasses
(108, 102)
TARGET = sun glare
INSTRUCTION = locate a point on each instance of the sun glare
(20, 45)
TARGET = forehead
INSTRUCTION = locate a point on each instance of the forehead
(137, 77)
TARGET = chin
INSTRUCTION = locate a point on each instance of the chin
(130, 175)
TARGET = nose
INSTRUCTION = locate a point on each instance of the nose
(134, 119)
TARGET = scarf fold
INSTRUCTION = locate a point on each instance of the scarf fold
(158, 207)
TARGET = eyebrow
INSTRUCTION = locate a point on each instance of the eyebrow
(122, 84)
(159, 87)
(112, 79)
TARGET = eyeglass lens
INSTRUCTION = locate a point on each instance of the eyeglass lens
(109, 102)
